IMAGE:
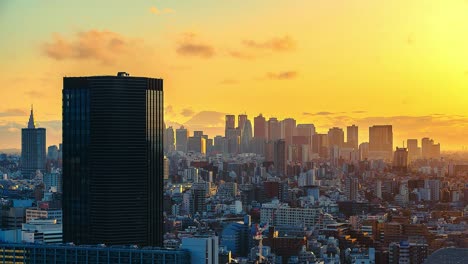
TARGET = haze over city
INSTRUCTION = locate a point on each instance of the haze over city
(234, 132)
(331, 63)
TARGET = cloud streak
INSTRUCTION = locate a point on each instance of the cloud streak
(187, 112)
(104, 46)
(285, 75)
(13, 112)
(191, 46)
(284, 43)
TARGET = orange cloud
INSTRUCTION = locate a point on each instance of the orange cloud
(286, 75)
(285, 43)
(104, 46)
(241, 55)
(187, 112)
(190, 46)
(12, 112)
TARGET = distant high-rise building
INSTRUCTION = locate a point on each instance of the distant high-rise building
(400, 159)
(233, 140)
(430, 150)
(274, 129)
(351, 188)
(197, 145)
(414, 152)
(198, 133)
(434, 186)
(33, 149)
(260, 127)
(182, 139)
(230, 123)
(219, 144)
(306, 130)
(203, 248)
(52, 152)
(352, 136)
(335, 137)
(364, 150)
(246, 137)
(169, 140)
(320, 145)
(288, 130)
(381, 142)
(113, 160)
(280, 156)
(241, 121)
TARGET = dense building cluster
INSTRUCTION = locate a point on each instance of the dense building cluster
(124, 188)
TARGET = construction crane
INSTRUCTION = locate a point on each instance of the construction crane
(259, 237)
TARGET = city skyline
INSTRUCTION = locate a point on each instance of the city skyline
(412, 74)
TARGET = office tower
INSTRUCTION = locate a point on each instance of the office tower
(274, 129)
(209, 146)
(413, 150)
(364, 150)
(241, 121)
(378, 189)
(335, 137)
(52, 152)
(306, 130)
(197, 144)
(430, 150)
(288, 130)
(182, 139)
(203, 248)
(233, 140)
(230, 123)
(246, 137)
(33, 149)
(113, 160)
(260, 127)
(53, 179)
(198, 133)
(400, 159)
(70, 253)
(381, 142)
(280, 157)
(434, 186)
(219, 142)
(169, 140)
(320, 145)
(351, 188)
(426, 145)
(352, 136)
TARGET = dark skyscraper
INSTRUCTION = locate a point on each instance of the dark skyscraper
(381, 142)
(335, 137)
(280, 157)
(182, 139)
(113, 160)
(352, 136)
(241, 119)
(33, 149)
(230, 123)
(260, 127)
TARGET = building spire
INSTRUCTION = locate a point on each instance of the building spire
(31, 123)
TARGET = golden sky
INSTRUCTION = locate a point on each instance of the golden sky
(327, 62)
